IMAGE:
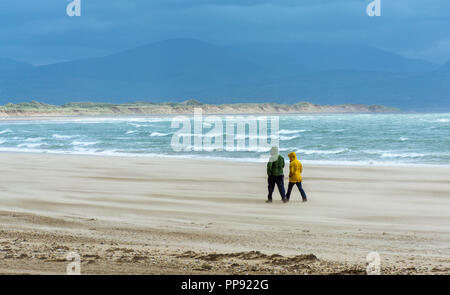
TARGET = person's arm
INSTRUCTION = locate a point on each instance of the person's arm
(301, 166)
(282, 160)
(269, 168)
(291, 169)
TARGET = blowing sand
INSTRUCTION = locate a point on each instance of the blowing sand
(179, 216)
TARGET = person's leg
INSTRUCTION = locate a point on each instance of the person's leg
(270, 187)
(302, 192)
(280, 185)
(290, 186)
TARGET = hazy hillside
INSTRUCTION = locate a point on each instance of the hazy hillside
(178, 60)
(324, 57)
(406, 91)
(7, 64)
(445, 67)
(177, 69)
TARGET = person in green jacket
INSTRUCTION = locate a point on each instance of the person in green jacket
(275, 174)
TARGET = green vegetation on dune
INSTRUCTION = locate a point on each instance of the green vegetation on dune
(28, 105)
(35, 108)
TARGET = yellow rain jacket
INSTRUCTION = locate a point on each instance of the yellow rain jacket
(295, 168)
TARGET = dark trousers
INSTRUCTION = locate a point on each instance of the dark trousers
(279, 181)
(299, 185)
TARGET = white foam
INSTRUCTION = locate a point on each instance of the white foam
(402, 155)
(6, 131)
(57, 136)
(286, 138)
(321, 152)
(234, 136)
(442, 120)
(111, 120)
(84, 143)
(158, 134)
(257, 149)
(287, 132)
(396, 154)
(29, 145)
(34, 139)
(248, 136)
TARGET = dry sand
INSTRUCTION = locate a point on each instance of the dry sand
(178, 216)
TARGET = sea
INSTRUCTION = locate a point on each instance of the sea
(340, 139)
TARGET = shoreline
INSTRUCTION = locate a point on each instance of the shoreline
(169, 115)
(179, 216)
(152, 115)
(319, 163)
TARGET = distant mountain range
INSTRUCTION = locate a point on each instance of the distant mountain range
(178, 69)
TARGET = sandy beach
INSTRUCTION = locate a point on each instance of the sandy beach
(137, 215)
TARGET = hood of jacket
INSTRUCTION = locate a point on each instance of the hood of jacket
(274, 154)
(292, 156)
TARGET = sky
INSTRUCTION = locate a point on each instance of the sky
(40, 31)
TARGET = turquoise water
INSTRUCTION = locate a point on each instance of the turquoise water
(339, 139)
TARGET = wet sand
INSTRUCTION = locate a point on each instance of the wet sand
(131, 215)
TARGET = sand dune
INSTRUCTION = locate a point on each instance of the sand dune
(160, 215)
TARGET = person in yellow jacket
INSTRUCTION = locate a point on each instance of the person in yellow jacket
(295, 176)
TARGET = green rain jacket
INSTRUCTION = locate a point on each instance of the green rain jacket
(276, 168)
